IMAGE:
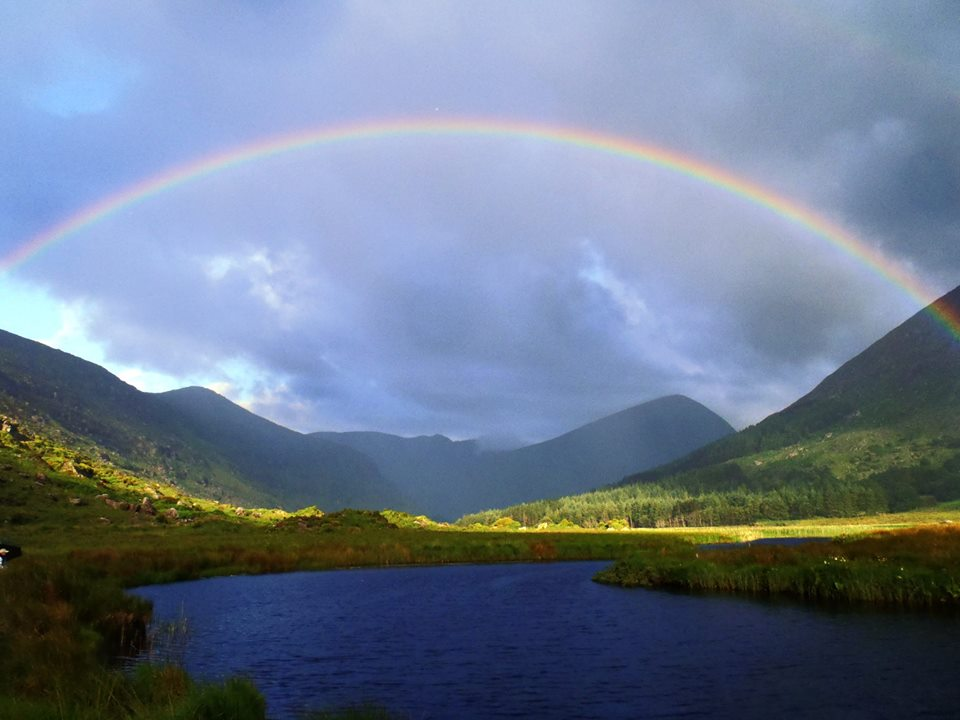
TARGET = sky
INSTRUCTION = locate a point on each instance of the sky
(505, 286)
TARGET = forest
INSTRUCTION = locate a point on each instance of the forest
(725, 495)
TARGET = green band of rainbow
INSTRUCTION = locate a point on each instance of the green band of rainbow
(751, 192)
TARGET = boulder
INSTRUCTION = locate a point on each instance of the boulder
(116, 504)
(12, 428)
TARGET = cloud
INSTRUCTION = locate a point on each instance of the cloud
(479, 285)
(625, 298)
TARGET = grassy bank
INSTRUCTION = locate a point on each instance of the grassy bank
(88, 535)
(915, 568)
(62, 628)
(66, 616)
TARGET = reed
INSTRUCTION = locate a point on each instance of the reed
(918, 568)
(63, 629)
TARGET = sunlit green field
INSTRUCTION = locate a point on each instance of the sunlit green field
(915, 568)
(823, 527)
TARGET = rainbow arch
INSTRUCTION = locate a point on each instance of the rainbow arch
(432, 126)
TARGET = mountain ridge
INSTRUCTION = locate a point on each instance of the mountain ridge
(447, 478)
(207, 445)
(879, 434)
(908, 379)
(167, 435)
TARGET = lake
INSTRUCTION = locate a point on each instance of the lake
(544, 641)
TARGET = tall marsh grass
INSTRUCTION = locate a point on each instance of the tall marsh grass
(918, 568)
(62, 629)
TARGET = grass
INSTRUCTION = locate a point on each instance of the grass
(915, 568)
(945, 514)
(62, 629)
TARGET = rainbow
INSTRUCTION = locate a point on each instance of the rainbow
(620, 146)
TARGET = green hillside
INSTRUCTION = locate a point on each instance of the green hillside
(881, 433)
(207, 446)
(301, 469)
(192, 439)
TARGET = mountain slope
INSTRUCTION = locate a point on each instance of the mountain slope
(433, 472)
(601, 452)
(904, 386)
(301, 469)
(446, 479)
(210, 447)
(880, 434)
(193, 438)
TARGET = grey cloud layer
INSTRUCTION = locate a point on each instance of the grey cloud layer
(479, 286)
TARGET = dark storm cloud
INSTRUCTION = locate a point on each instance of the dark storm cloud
(907, 186)
(475, 285)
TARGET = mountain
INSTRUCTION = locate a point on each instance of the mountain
(193, 437)
(880, 434)
(210, 447)
(445, 479)
(301, 469)
(602, 451)
(434, 473)
(894, 404)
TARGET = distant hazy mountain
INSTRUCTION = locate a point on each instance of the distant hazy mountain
(434, 473)
(446, 479)
(192, 437)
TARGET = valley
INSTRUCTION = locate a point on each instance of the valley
(106, 488)
(479, 361)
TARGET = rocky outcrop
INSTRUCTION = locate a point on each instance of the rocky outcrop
(115, 504)
(11, 427)
(144, 507)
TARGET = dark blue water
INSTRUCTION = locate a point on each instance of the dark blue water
(543, 641)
